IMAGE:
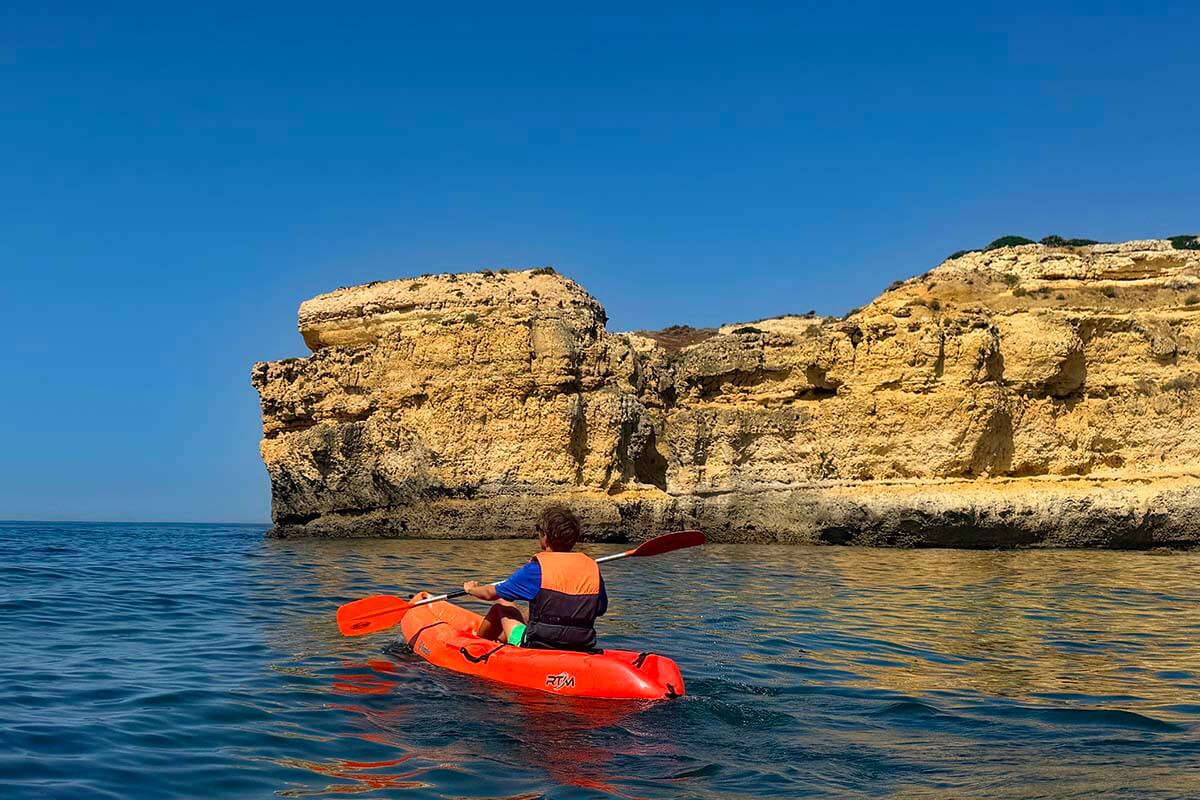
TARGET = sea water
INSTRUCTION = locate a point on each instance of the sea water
(203, 661)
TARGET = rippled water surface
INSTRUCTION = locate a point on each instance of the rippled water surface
(185, 661)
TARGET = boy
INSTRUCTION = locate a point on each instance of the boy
(564, 590)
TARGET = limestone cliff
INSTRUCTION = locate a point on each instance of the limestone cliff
(1023, 395)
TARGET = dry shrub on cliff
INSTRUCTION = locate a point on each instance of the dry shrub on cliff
(1191, 300)
(1020, 291)
(1058, 241)
(1108, 291)
(1007, 241)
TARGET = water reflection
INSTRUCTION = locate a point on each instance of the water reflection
(365, 682)
(1068, 638)
(551, 732)
(1014, 623)
(1023, 641)
(204, 661)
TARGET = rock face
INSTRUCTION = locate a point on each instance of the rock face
(1024, 395)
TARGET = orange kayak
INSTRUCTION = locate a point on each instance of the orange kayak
(444, 634)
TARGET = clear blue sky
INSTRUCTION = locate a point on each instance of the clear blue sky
(173, 182)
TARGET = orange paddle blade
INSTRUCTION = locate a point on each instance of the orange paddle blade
(668, 542)
(371, 614)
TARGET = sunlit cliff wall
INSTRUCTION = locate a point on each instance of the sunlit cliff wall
(1024, 395)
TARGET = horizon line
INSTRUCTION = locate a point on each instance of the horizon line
(128, 522)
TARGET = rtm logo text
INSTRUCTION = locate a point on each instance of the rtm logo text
(563, 680)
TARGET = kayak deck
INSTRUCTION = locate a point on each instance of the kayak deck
(444, 634)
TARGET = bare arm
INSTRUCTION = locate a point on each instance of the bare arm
(482, 591)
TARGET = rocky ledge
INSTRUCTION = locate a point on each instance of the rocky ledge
(1027, 395)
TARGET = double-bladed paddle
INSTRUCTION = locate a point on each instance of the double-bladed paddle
(382, 611)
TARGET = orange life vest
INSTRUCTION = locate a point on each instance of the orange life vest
(563, 614)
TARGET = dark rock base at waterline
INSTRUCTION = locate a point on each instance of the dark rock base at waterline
(1127, 516)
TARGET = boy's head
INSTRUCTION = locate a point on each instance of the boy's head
(558, 528)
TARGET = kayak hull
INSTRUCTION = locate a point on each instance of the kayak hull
(444, 634)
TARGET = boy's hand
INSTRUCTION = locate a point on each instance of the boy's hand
(470, 586)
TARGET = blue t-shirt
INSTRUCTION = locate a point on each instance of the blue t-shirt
(526, 582)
